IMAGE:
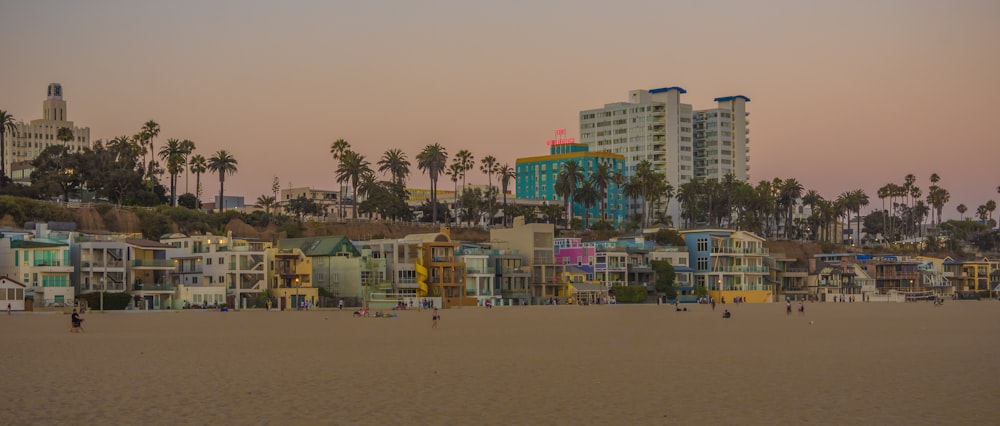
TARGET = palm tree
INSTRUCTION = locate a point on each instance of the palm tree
(352, 168)
(961, 211)
(150, 130)
(432, 160)
(266, 201)
(455, 172)
(587, 195)
(505, 174)
(187, 147)
(789, 192)
(338, 148)
(7, 125)
(394, 163)
(489, 166)
(222, 163)
(467, 161)
(991, 206)
(173, 155)
(197, 165)
(566, 184)
(601, 178)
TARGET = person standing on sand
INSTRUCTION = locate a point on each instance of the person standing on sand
(340, 304)
(788, 307)
(436, 317)
(8, 309)
(77, 323)
(802, 309)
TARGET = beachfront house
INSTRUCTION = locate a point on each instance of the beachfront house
(535, 242)
(729, 264)
(12, 294)
(445, 271)
(41, 261)
(336, 265)
(480, 275)
(290, 278)
(211, 270)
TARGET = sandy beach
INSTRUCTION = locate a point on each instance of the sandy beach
(838, 364)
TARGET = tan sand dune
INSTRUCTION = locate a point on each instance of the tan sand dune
(855, 364)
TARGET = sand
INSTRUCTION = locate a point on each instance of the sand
(839, 364)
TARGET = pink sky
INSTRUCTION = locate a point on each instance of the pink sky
(845, 95)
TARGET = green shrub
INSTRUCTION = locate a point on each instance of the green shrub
(630, 294)
(102, 208)
(112, 301)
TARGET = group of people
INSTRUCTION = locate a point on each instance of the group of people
(788, 308)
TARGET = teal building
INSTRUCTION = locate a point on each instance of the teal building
(536, 177)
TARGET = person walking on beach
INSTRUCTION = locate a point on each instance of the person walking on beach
(436, 317)
(788, 307)
(340, 304)
(802, 309)
(77, 323)
(8, 309)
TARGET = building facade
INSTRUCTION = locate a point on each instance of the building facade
(33, 137)
(536, 176)
(679, 142)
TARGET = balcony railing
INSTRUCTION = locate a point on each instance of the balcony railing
(760, 269)
(153, 287)
(40, 262)
(157, 263)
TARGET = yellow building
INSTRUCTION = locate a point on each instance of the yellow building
(290, 278)
(445, 272)
(968, 275)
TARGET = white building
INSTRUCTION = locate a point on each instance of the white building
(678, 141)
(32, 138)
(721, 144)
(213, 269)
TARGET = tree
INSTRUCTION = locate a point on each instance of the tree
(601, 178)
(198, 165)
(489, 166)
(267, 202)
(222, 163)
(394, 163)
(150, 130)
(566, 185)
(455, 173)
(353, 167)
(187, 148)
(961, 211)
(301, 206)
(506, 175)
(173, 154)
(587, 196)
(665, 277)
(57, 172)
(337, 149)
(64, 135)
(433, 160)
(7, 125)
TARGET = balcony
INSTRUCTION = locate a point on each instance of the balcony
(152, 264)
(544, 260)
(52, 266)
(162, 287)
(739, 250)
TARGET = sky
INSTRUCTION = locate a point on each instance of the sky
(844, 95)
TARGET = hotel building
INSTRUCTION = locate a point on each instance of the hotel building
(679, 142)
(32, 138)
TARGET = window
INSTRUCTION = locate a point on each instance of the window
(208, 260)
(702, 244)
(702, 263)
(221, 261)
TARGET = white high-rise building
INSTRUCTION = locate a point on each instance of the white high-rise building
(720, 140)
(678, 141)
(32, 138)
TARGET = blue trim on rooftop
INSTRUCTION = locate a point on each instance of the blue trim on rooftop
(730, 98)
(667, 89)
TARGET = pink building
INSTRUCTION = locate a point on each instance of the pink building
(574, 252)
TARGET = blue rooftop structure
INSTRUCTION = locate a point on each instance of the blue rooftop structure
(729, 98)
(667, 89)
